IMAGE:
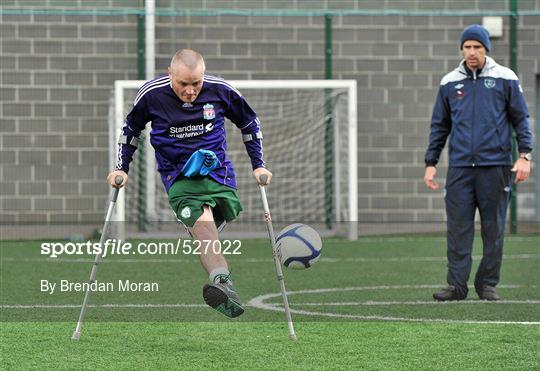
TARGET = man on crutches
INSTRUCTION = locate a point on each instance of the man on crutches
(188, 109)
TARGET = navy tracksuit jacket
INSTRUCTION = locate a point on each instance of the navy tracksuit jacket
(477, 111)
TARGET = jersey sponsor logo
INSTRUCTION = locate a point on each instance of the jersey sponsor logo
(187, 131)
(191, 130)
(489, 83)
(185, 213)
(208, 112)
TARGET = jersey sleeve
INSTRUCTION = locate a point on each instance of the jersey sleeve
(245, 119)
(133, 126)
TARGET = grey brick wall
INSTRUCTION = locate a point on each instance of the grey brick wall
(57, 72)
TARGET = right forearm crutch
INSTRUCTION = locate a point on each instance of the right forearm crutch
(114, 195)
(279, 272)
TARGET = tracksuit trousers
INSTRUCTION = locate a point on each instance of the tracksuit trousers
(486, 188)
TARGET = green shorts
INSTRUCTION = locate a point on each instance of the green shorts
(188, 195)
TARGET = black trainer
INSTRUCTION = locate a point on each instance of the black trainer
(447, 294)
(221, 295)
(488, 293)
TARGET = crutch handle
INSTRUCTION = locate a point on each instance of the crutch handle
(117, 180)
(264, 178)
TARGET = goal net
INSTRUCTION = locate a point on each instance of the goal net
(309, 129)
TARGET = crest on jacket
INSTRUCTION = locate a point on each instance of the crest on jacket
(489, 83)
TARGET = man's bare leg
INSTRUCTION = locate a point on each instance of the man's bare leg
(205, 231)
(220, 293)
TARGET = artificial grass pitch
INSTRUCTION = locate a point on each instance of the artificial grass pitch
(253, 346)
(366, 304)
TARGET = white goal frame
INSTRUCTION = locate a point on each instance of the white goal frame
(352, 150)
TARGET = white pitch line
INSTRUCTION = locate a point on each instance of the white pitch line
(259, 302)
(388, 287)
(335, 304)
(417, 302)
(405, 319)
(260, 260)
(435, 258)
(67, 306)
(364, 240)
(313, 291)
(91, 260)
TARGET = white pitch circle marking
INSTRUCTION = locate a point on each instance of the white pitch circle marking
(259, 302)
(417, 302)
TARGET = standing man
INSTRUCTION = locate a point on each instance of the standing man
(188, 109)
(478, 104)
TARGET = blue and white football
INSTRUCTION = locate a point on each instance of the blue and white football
(298, 246)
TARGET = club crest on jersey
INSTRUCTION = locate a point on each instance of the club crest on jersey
(208, 112)
(489, 83)
(186, 212)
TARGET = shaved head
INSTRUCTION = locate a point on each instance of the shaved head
(187, 74)
(187, 57)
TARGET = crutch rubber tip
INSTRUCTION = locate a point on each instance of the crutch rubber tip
(76, 335)
(293, 337)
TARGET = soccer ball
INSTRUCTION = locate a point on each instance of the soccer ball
(298, 246)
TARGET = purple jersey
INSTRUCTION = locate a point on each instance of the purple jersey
(179, 128)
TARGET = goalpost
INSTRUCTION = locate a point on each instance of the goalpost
(310, 145)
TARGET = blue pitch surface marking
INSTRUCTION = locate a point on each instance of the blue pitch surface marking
(304, 260)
